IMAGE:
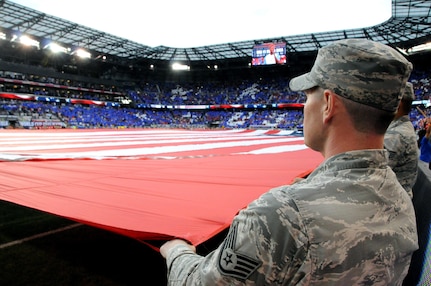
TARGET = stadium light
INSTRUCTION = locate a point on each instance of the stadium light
(415, 49)
(420, 48)
(180, 67)
(82, 54)
(27, 41)
(56, 48)
(103, 58)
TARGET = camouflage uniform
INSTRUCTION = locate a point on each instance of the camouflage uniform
(400, 141)
(349, 223)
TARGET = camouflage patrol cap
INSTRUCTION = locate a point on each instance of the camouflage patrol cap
(409, 93)
(361, 70)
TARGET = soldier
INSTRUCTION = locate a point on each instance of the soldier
(350, 222)
(400, 141)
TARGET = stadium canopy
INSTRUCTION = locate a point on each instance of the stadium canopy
(410, 25)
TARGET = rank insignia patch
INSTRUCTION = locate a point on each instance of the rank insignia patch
(235, 264)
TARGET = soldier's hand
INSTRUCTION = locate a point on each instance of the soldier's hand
(167, 246)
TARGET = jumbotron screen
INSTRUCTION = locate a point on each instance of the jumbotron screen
(269, 54)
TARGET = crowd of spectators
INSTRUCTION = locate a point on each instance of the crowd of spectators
(163, 104)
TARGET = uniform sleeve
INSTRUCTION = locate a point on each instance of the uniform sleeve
(265, 245)
(393, 144)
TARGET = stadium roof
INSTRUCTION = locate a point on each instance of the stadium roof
(409, 25)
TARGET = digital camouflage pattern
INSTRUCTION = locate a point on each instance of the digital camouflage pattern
(361, 70)
(349, 223)
(409, 93)
(401, 142)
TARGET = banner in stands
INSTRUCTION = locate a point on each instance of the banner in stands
(149, 184)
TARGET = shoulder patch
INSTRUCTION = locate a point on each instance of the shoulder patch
(235, 264)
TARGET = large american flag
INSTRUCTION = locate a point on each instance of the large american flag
(149, 184)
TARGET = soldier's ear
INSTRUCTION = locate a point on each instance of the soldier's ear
(329, 109)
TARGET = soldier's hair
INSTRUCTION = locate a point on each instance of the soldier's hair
(367, 119)
(406, 107)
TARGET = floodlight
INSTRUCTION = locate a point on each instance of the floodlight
(420, 48)
(415, 49)
(26, 40)
(82, 54)
(180, 67)
(56, 48)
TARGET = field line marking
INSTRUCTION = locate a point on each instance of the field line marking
(19, 241)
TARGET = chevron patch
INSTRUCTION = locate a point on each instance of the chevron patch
(233, 263)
